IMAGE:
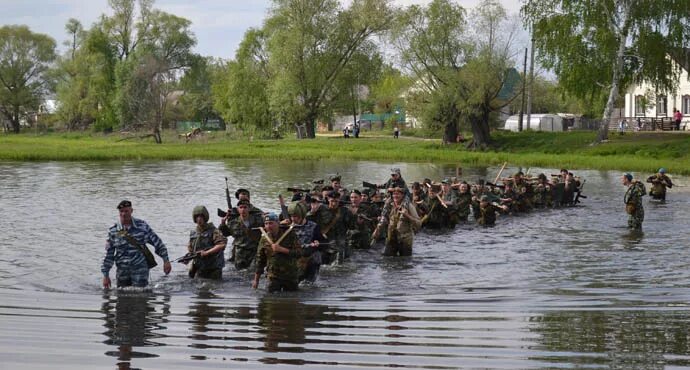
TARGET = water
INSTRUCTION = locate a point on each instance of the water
(567, 288)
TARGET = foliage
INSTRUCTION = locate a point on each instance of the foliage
(24, 60)
(599, 47)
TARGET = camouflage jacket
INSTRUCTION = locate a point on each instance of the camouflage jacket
(633, 196)
(279, 266)
(487, 215)
(120, 252)
(403, 226)
(659, 184)
(201, 239)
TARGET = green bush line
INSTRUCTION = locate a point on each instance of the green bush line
(639, 152)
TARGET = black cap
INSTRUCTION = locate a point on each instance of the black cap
(124, 204)
(243, 202)
(240, 191)
(296, 197)
(333, 194)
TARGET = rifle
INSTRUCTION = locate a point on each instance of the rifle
(220, 212)
(369, 185)
(187, 257)
(298, 190)
(283, 207)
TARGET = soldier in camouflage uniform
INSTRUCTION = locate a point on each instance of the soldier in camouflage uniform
(486, 215)
(242, 226)
(633, 201)
(396, 181)
(450, 200)
(543, 192)
(336, 229)
(310, 238)
(464, 201)
(403, 222)
(123, 249)
(278, 253)
(362, 225)
(659, 184)
(437, 216)
(209, 243)
(524, 191)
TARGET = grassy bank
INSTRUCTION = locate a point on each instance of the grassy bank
(632, 152)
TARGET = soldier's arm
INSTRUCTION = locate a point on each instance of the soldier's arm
(219, 243)
(109, 258)
(153, 239)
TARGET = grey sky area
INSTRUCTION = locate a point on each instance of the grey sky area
(219, 25)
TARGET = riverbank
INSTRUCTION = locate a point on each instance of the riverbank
(644, 152)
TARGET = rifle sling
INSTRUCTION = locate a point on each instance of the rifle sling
(150, 260)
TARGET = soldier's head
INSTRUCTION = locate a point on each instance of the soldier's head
(662, 171)
(564, 172)
(315, 202)
(434, 190)
(200, 215)
(416, 187)
(626, 179)
(518, 176)
(484, 200)
(242, 194)
(464, 187)
(395, 173)
(333, 199)
(326, 190)
(356, 198)
(297, 212)
(376, 196)
(125, 210)
(271, 222)
(398, 194)
(335, 181)
(243, 208)
(445, 185)
(542, 177)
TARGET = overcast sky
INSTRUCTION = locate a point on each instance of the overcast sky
(219, 25)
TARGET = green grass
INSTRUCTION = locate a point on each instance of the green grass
(632, 152)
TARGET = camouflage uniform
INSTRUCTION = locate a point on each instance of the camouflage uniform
(437, 217)
(463, 207)
(659, 184)
(400, 232)
(361, 227)
(524, 195)
(633, 204)
(543, 195)
(487, 215)
(201, 239)
(336, 231)
(132, 269)
(245, 238)
(282, 269)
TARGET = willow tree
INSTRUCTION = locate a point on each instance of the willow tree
(462, 68)
(598, 47)
(310, 43)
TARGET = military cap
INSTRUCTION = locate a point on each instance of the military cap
(416, 185)
(356, 192)
(327, 188)
(243, 202)
(241, 191)
(297, 209)
(296, 197)
(395, 171)
(484, 198)
(335, 177)
(200, 210)
(427, 181)
(397, 190)
(628, 176)
(124, 204)
(445, 181)
(541, 176)
(270, 216)
(333, 194)
(662, 170)
(315, 198)
(318, 182)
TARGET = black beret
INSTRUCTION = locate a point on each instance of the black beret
(124, 204)
(240, 191)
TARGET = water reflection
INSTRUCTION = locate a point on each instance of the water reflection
(132, 319)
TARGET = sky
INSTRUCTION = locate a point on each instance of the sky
(219, 25)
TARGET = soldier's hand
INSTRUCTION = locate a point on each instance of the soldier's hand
(106, 282)
(255, 283)
(167, 267)
(315, 244)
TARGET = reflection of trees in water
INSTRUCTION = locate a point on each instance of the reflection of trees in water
(626, 339)
(130, 320)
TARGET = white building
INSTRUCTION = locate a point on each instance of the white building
(645, 102)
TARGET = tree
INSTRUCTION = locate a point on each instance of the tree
(461, 77)
(598, 47)
(24, 60)
(74, 29)
(310, 44)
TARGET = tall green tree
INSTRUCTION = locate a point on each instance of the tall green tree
(310, 44)
(461, 76)
(25, 57)
(598, 47)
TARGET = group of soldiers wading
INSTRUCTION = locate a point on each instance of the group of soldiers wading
(324, 224)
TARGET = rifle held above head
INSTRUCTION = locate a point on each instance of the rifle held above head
(298, 190)
(228, 200)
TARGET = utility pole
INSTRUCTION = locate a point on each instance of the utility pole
(531, 83)
(524, 78)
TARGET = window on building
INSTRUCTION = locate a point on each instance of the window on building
(685, 108)
(661, 105)
(639, 105)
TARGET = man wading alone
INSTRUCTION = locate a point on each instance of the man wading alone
(126, 248)
(633, 201)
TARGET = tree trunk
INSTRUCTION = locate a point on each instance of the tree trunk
(480, 130)
(310, 123)
(450, 133)
(15, 122)
(617, 71)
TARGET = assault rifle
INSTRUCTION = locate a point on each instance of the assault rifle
(220, 212)
(369, 185)
(298, 190)
(187, 257)
(578, 193)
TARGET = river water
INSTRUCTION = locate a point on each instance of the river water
(568, 288)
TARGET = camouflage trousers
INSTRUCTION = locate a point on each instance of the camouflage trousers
(280, 285)
(635, 219)
(138, 277)
(244, 256)
(398, 245)
(214, 274)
